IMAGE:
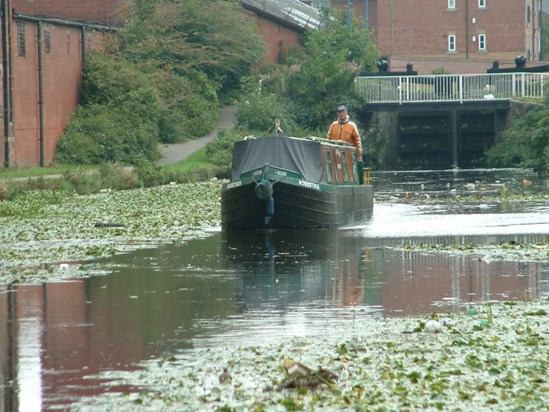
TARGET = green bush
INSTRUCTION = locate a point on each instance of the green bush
(151, 174)
(258, 113)
(118, 177)
(525, 144)
(127, 109)
(189, 107)
(101, 133)
(220, 152)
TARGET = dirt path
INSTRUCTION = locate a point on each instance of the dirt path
(173, 153)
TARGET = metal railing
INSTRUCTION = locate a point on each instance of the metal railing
(447, 88)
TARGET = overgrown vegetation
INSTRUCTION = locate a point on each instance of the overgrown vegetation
(175, 61)
(161, 81)
(107, 176)
(525, 144)
(303, 91)
(492, 357)
(315, 79)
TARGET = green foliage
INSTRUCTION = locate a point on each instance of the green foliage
(544, 39)
(257, 115)
(161, 82)
(119, 117)
(321, 76)
(193, 36)
(525, 144)
(440, 70)
(108, 176)
(189, 108)
(151, 174)
(183, 108)
(174, 58)
(220, 151)
(30, 204)
(100, 133)
(111, 81)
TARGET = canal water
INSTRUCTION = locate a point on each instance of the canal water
(232, 289)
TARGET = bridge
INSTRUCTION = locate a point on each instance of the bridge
(451, 88)
(443, 121)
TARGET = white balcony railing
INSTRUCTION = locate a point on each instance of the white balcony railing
(447, 88)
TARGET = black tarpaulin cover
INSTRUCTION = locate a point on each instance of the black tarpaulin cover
(298, 155)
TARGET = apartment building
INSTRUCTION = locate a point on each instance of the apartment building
(463, 36)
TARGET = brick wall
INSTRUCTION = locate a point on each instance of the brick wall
(102, 11)
(278, 38)
(61, 82)
(407, 29)
(421, 27)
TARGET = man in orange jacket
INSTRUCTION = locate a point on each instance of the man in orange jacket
(345, 129)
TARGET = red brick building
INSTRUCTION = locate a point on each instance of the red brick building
(281, 23)
(463, 36)
(42, 54)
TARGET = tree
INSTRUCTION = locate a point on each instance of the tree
(161, 80)
(193, 36)
(525, 144)
(322, 75)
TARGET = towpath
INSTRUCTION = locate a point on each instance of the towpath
(176, 152)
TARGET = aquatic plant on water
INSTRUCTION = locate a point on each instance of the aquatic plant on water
(60, 230)
(492, 358)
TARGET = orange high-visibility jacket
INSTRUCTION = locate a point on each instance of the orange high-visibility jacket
(348, 132)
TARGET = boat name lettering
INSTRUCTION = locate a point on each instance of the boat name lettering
(278, 172)
(234, 184)
(309, 184)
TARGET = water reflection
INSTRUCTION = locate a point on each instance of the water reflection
(437, 183)
(228, 290)
(232, 289)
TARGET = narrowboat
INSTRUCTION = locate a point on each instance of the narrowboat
(295, 183)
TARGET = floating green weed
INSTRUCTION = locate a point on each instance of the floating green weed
(48, 226)
(495, 368)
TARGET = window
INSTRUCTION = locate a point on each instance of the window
(47, 40)
(481, 4)
(452, 43)
(482, 42)
(344, 165)
(21, 50)
(328, 159)
(451, 4)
